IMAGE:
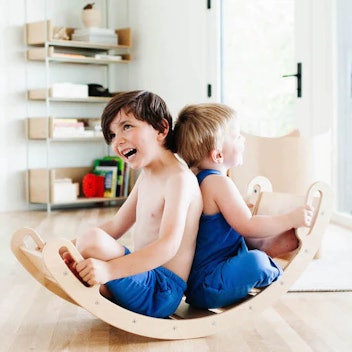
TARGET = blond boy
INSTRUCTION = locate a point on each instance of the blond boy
(225, 269)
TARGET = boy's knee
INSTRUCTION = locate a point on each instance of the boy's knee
(87, 250)
(88, 244)
(262, 268)
(99, 245)
(257, 260)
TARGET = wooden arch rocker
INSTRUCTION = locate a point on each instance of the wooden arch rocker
(45, 264)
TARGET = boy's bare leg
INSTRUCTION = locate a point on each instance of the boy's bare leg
(99, 245)
(96, 244)
(277, 246)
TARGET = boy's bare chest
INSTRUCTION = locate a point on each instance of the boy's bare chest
(150, 207)
(150, 201)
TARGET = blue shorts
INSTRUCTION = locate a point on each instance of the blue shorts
(156, 293)
(229, 281)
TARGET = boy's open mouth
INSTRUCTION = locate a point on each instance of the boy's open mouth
(130, 152)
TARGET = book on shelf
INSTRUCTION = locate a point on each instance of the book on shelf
(64, 128)
(96, 35)
(116, 165)
(94, 30)
(125, 181)
(110, 179)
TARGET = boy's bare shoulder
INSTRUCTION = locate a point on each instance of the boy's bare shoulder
(181, 173)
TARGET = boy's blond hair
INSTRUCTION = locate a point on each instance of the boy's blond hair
(199, 129)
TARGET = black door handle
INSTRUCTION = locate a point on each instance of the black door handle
(299, 79)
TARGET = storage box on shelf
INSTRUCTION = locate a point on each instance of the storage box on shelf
(51, 44)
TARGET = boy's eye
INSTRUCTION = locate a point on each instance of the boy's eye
(112, 136)
(126, 127)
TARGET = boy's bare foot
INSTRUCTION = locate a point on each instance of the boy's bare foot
(278, 246)
(281, 245)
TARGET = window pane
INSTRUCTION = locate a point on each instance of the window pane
(257, 50)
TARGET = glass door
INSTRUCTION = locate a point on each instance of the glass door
(264, 40)
(258, 49)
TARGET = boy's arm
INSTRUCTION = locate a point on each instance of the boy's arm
(178, 198)
(237, 214)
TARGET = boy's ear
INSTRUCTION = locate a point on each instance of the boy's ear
(166, 129)
(217, 156)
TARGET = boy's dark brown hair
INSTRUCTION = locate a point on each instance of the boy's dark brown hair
(145, 106)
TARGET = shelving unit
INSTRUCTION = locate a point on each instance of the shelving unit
(42, 46)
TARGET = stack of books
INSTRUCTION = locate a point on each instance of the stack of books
(116, 176)
(96, 35)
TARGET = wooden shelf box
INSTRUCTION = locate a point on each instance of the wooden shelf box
(41, 128)
(41, 182)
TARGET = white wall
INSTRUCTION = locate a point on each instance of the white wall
(169, 52)
(12, 106)
(169, 58)
(344, 104)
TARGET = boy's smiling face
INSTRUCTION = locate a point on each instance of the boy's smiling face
(133, 140)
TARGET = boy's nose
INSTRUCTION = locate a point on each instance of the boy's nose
(119, 140)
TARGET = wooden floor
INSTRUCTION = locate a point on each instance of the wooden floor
(33, 319)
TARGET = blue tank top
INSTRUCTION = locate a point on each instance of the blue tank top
(216, 240)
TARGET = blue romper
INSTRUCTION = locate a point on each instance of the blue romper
(156, 293)
(224, 270)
